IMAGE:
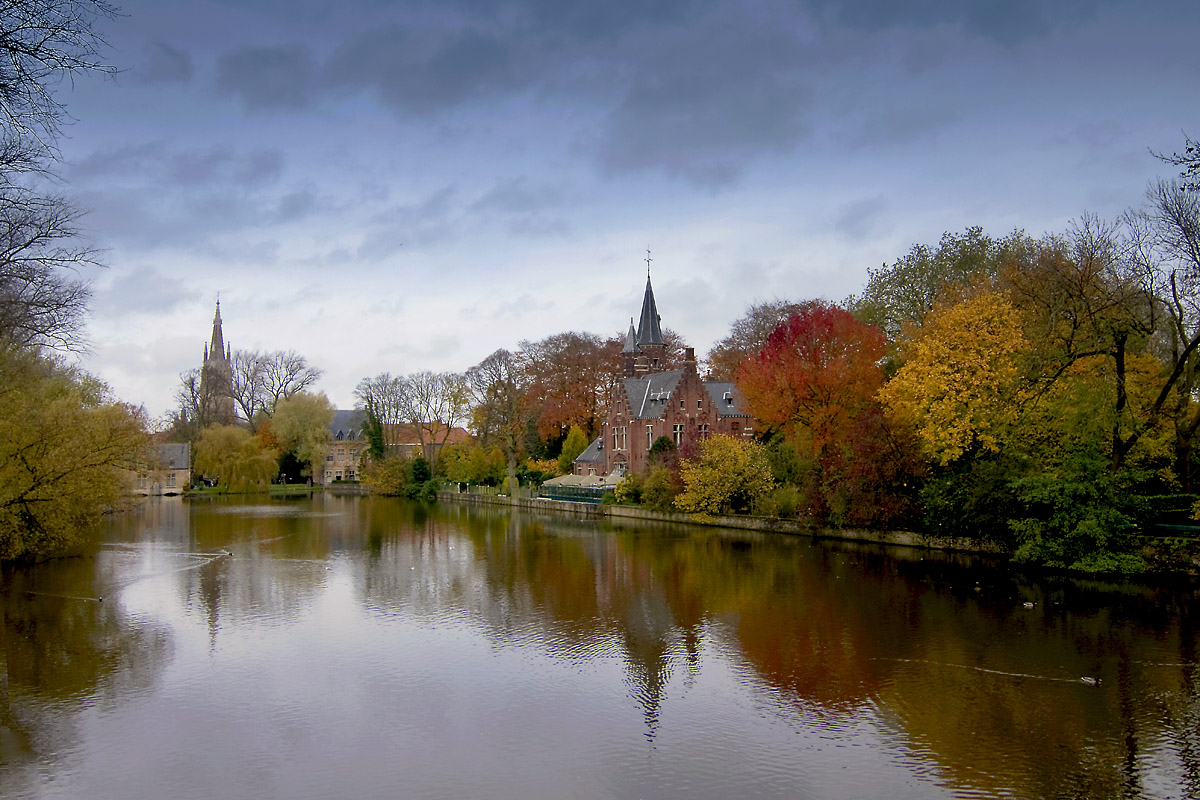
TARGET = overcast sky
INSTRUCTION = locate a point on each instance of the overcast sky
(397, 186)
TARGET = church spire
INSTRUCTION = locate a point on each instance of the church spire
(217, 348)
(649, 331)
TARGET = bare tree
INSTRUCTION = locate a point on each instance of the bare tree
(197, 406)
(42, 43)
(1189, 159)
(283, 374)
(382, 401)
(42, 299)
(435, 403)
(499, 392)
(247, 384)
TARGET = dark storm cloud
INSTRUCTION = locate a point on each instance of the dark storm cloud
(271, 78)
(164, 63)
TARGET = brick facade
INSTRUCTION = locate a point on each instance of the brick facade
(649, 403)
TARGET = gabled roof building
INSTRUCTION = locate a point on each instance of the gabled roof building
(649, 403)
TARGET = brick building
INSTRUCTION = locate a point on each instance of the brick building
(649, 403)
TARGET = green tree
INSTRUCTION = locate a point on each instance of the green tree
(905, 291)
(301, 426)
(729, 475)
(66, 451)
(233, 457)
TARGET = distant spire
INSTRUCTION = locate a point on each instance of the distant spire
(649, 331)
(630, 339)
(217, 348)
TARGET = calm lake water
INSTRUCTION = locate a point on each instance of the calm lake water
(368, 648)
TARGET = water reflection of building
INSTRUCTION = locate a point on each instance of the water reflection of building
(169, 474)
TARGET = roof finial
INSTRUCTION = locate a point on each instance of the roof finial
(648, 259)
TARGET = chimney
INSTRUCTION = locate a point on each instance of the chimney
(689, 360)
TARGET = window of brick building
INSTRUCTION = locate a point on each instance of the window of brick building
(679, 434)
(649, 435)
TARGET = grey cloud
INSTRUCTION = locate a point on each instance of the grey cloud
(703, 108)
(128, 160)
(271, 78)
(901, 126)
(425, 72)
(525, 206)
(295, 205)
(1004, 21)
(861, 218)
(164, 63)
(225, 166)
(520, 306)
(432, 219)
(518, 195)
(144, 289)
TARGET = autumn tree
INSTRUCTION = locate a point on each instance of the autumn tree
(906, 290)
(816, 381)
(66, 451)
(960, 384)
(748, 336)
(231, 456)
(567, 376)
(729, 475)
(301, 426)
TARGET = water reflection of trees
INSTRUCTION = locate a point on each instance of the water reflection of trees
(982, 692)
(64, 650)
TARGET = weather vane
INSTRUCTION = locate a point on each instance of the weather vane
(647, 262)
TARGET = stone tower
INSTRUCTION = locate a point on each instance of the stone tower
(216, 375)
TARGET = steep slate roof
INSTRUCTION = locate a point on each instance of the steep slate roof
(630, 340)
(346, 424)
(722, 393)
(648, 331)
(174, 456)
(648, 395)
(594, 454)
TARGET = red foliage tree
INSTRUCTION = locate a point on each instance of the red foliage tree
(816, 381)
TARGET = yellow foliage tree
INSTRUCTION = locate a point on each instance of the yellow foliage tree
(233, 456)
(66, 451)
(729, 475)
(960, 386)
